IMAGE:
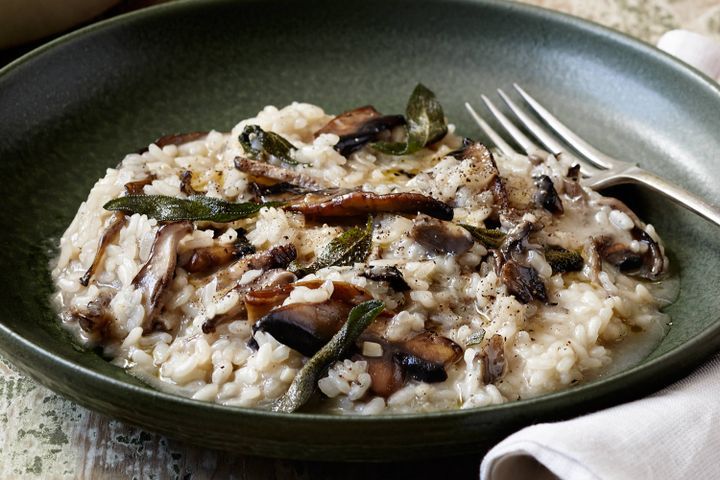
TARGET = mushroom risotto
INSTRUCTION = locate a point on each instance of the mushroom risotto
(359, 263)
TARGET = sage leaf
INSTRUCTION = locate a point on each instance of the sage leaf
(198, 207)
(264, 146)
(489, 237)
(352, 246)
(425, 124)
(562, 260)
(306, 379)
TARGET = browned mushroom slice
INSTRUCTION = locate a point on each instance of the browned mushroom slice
(441, 237)
(423, 358)
(95, 319)
(571, 184)
(156, 274)
(186, 184)
(493, 359)
(434, 348)
(348, 122)
(389, 274)
(649, 264)
(386, 374)
(271, 280)
(281, 191)
(137, 187)
(546, 196)
(279, 174)
(358, 127)
(259, 302)
(515, 245)
(176, 139)
(361, 203)
(653, 259)
(117, 221)
(206, 260)
(275, 257)
(523, 282)
(306, 327)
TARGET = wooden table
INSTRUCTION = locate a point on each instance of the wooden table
(43, 435)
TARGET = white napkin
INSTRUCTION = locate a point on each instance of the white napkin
(674, 434)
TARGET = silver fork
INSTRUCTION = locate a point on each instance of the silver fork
(599, 170)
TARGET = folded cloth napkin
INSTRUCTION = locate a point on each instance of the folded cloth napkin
(673, 434)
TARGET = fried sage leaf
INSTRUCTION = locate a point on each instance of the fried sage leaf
(488, 237)
(425, 124)
(262, 145)
(562, 260)
(198, 207)
(306, 379)
(350, 247)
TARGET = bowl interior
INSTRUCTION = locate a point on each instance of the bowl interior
(75, 108)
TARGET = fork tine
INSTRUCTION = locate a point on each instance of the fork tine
(550, 143)
(522, 139)
(555, 147)
(587, 150)
(494, 136)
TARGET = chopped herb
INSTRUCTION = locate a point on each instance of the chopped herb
(263, 146)
(350, 247)
(562, 260)
(489, 237)
(425, 124)
(306, 379)
(172, 209)
(476, 338)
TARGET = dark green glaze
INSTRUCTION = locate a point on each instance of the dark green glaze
(73, 108)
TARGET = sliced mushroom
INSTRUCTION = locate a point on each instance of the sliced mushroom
(275, 257)
(117, 221)
(358, 127)
(385, 372)
(389, 274)
(654, 265)
(649, 264)
(186, 184)
(493, 359)
(176, 139)
(278, 174)
(360, 203)
(546, 196)
(515, 245)
(306, 327)
(270, 280)
(206, 260)
(281, 191)
(433, 348)
(159, 270)
(96, 318)
(441, 237)
(523, 282)
(138, 187)
(424, 358)
(571, 184)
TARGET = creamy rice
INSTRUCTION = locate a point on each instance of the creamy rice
(574, 335)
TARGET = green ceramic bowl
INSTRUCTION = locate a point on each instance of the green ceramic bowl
(74, 107)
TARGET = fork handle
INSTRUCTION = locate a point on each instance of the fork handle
(673, 192)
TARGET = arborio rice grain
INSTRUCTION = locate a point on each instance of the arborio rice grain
(600, 316)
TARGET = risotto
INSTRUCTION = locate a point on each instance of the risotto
(360, 263)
